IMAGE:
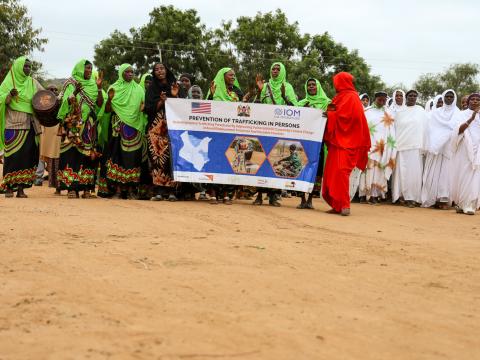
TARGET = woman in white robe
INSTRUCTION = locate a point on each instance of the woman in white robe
(409, 130)
(436, 173)
(381, 157)
(465, 170)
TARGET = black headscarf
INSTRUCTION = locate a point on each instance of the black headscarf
(152, 96)
(183, 93)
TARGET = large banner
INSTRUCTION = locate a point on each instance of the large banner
(244, 144)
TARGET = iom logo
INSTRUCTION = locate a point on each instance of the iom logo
(287, 113)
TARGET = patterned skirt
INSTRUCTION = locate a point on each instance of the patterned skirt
(21, 158)
(159, 152)
(77, 170)
(125, 149)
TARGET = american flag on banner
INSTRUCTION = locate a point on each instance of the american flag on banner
(201, 108)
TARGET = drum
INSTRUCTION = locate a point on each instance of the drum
(45, 106)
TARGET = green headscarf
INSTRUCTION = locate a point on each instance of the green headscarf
(221, 91)
(276, 86)
(89, 87)
(142, 80)
(127, 101)
(26, 88)
(319, 101)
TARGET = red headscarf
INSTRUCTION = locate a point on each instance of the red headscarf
(347, 126)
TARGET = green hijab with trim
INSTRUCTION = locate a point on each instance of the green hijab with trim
(142, 80)
(128, 99)
(319, 101)
(276, 86)
(89, 86)
(221, 91)
(26, 88)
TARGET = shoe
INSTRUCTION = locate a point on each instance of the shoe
(345, 212)
(157, 197)
(309, 206)
(213, 201)
(227, 201)
(9, 193)
(202, 196)
(258, 201)
(303, 205)
(274, 202)
(172, 198)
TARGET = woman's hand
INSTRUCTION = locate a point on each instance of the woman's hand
(99, 80)
(111, 94)
(259, 81)
(246, 97)
(78, 88)
(213, 87)
(174, 89)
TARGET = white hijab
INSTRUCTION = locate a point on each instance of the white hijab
(441, 124)
(429, 105)
(362, 96)
(394, 107)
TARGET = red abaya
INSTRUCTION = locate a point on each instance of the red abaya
(348, 142)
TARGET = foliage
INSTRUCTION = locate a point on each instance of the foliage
(17, 33)
(249, 45)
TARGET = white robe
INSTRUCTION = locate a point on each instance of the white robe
(409, 129)
(465, 169)
(381, 157)
(436, 174)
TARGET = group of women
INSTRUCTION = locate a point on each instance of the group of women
(118, 139)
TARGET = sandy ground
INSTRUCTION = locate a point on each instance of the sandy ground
(118, 279)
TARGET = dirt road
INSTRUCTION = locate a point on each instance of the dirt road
(113, 279)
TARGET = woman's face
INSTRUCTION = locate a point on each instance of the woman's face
(449, 97)
(27, 67)
(412, 99)
(312, 87)
(128, 74)
(229, 78)
(160, 72)
(275, 71)
(365, 101)
(474, 103)
(87, 73)
(439, 103)
(186, 83)
(196, 94)
(147, 83)
(399, 98)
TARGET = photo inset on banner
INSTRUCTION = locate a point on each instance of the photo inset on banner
(245, 155)
(288, 158)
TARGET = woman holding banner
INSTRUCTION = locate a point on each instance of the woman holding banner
(348, 141)
(163, 86)
(277, 91)
(224, 87)
(316, 98)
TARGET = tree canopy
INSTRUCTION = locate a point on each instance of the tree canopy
(17, 34)
(248, 44)
(463, 78)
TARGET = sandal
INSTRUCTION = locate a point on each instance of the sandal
(72, 195)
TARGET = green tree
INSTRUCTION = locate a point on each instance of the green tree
(17, 33)
(249, 45)
(172, 36)
(463, 78)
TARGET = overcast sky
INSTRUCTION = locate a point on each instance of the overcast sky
(399, 39)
